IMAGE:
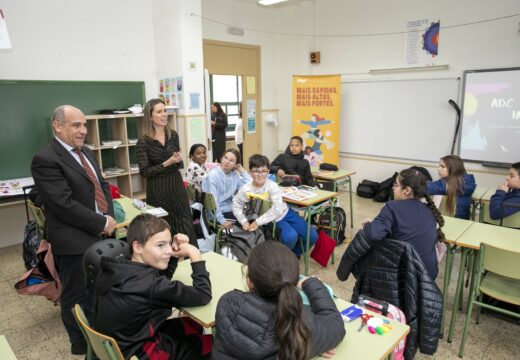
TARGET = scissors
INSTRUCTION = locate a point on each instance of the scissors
(364, 320)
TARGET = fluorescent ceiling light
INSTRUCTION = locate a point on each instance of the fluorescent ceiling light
(270, 2)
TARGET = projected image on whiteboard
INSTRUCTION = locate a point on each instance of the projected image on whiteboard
(491, 116)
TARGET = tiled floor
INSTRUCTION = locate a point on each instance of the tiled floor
(33, 328)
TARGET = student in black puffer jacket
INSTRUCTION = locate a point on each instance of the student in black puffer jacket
(292, 162)
(270, 321)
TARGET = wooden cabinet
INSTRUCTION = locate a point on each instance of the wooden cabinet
(113, 140)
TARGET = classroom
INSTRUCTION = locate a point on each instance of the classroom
(136, 43)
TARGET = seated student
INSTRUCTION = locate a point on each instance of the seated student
(506, 200)
(408, 219)
(270, 321)
(292, 162)
(136, 296)
(455, 183)
(291, 225)
(223, 182)
(197, 170)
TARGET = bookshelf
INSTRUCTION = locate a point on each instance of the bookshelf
(113, 140)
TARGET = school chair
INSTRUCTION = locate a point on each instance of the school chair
(512, 221)
(105, 347)
(192, 193)
(210, 207)
(264, 207)
(498, 276)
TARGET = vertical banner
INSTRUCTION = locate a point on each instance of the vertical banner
(316, 111)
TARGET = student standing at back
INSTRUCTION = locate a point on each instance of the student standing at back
(292, 162)
(270, 321)
(456, 184)
(506, 200)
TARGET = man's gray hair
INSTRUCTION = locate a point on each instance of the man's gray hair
(59, 114)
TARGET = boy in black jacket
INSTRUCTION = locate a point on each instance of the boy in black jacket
(136, 296)
(292, 162)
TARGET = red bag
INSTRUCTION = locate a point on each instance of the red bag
(43, 278)
(114, 191)
(391, 312)
(323, 248)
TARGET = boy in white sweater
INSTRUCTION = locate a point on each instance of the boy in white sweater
(290, 223)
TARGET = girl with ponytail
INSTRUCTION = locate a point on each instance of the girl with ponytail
(408, 218)
(271, 321)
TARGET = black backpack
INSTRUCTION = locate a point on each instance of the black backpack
(367, 189)
(31, 243)
(239, 243)
(384, 192)
(339, 223)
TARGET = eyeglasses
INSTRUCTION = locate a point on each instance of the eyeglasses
(260, 172)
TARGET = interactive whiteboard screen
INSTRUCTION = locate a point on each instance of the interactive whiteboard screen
(491, 116)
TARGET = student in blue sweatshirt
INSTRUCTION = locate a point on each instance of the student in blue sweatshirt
(223, 182)
(456, 184)
(409, 219)
(506, 200)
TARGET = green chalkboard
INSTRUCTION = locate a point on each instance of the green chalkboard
(26, 108)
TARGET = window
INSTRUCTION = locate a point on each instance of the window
(227, 90)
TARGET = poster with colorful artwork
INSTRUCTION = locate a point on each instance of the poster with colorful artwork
(316, 111)
(171, 91)
(422, 42)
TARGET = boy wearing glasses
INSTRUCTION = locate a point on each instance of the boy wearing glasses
(290, 223)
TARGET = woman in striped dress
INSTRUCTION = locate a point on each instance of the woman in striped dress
(159, 158)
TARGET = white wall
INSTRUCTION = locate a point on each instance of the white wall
(290, 32)
(217, 16)
(79, 40)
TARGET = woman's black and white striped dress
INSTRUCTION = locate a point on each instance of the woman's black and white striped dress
(164, 186)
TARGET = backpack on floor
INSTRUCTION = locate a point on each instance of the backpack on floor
(339, 223)
(384, 191)
(43, 278)
(367, 189)
(391, 312)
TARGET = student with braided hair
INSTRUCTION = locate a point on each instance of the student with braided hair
(408, 218)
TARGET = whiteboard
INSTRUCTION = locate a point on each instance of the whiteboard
(407, 119)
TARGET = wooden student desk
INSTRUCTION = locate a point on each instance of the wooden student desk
(337, 177)
(363, 344)
(6, 353)
(226, 275)
(469, 241)
(476, 199)
(310, 208)
(130, 210)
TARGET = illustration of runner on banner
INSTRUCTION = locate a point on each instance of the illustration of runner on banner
(316, 116)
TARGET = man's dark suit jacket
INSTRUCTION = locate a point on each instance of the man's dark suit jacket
(68, 196)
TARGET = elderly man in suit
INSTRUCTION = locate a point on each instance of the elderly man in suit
(78, 210)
